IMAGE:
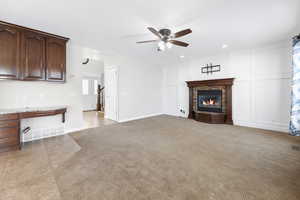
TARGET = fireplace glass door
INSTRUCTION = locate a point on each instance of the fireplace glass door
(209, 100)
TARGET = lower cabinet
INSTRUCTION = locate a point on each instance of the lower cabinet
(9, 132)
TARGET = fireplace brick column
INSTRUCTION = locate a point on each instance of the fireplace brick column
(191, 97)
(229, 105)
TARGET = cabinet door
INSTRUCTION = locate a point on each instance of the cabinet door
(33, 56)
(55, 60)
(9, 52)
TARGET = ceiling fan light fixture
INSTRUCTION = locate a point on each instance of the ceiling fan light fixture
(224, 46)
(166, 39)
(169, 45)
(161, 46)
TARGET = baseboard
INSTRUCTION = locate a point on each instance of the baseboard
(266, 126)
(261, 125)
(89, 110)
(140, 117)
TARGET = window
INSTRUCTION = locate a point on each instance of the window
(85, 87)
(95, 86)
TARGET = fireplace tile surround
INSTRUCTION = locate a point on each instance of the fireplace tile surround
(195, 95)
(225, 85)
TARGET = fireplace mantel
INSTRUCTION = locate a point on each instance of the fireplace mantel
(209, 117)
(213, 82)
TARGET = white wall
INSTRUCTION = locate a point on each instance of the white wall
(16, 94)
(139, 87)
(139, 92)
(261, 91)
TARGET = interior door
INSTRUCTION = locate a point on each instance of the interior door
(111, 94)
(33, 56)
(9, 56)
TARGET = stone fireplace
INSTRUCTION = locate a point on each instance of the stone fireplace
(211, 101)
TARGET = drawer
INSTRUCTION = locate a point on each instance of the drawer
(8, 142)
(7, 123)
(9, 132)
(9, 116)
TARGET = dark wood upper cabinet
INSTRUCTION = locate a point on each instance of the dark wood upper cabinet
(28, 54)
(9, 52)
(33, 56)
(55, 59)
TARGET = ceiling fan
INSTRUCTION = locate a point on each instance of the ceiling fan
(165, 38)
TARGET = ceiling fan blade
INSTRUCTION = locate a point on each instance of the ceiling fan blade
(148, 41)
(179, 43)
(182, 33)
(155, 32)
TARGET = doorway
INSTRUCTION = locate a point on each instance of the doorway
(93, 94)
(99, 94)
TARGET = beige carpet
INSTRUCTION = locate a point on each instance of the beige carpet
(158, 158)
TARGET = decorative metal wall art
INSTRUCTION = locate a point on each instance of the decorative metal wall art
(87, 60)
(210, 68)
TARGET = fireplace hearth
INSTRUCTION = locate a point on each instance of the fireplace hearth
(210, 101)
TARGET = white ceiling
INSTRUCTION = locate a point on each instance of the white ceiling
(115, 25)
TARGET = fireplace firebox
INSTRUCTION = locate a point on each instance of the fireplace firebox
(209, 100)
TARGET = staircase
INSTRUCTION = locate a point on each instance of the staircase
(100, 98)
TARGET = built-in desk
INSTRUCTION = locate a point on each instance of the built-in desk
(10, 132)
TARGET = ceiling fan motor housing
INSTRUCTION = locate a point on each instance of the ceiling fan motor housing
(165, 32)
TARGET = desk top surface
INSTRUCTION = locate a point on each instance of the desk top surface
(30, 109)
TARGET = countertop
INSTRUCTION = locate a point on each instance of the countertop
(29, 109)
